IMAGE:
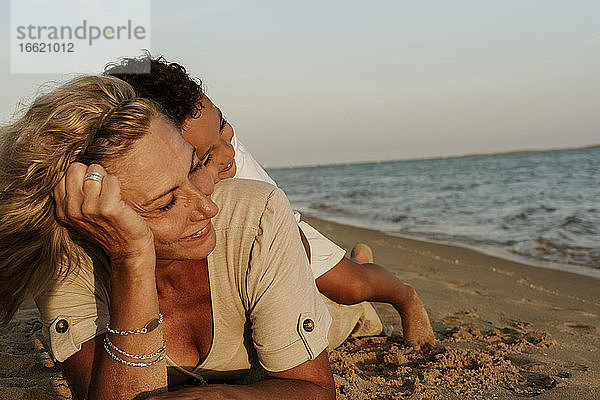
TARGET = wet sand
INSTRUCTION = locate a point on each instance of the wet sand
(505, 330)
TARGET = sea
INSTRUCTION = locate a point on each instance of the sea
(539, 207)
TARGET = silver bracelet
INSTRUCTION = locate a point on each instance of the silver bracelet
(134, 364)
(149, 327)
(136, 356)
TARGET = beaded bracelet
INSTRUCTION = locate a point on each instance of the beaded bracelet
(134, 364)
(137, 357)
(149, 327)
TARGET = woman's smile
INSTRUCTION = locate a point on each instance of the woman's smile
(202, 233)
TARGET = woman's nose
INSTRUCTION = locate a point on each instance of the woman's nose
(204, 208)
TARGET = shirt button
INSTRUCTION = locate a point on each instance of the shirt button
(308, 325)
(62, 326)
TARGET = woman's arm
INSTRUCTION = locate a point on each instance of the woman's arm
(95, 209)
(311, 380)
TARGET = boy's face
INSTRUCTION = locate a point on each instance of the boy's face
(211, 135)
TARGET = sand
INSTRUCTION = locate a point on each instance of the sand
(505, 330)
(26, 369)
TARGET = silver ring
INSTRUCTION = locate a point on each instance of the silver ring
(93, 176)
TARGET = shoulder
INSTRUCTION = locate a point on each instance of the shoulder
(75, 307)
(242, 189)
(89, 277)
(243, 202)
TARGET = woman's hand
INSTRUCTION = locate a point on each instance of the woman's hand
(96, 210)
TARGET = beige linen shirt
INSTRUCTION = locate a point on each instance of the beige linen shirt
(261, 286)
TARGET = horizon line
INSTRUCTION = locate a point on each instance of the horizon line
(591, 146)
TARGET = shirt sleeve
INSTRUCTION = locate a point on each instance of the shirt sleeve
(289, 319)
(75, 309)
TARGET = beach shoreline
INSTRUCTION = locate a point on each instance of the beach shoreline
(490, 251)
(505, 330)
(534, 208)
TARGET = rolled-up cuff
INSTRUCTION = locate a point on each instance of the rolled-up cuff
(312, 340)
(67, 335)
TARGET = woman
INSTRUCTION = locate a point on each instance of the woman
(107, 219)
(341, 279)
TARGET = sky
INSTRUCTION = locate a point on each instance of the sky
(320, 82)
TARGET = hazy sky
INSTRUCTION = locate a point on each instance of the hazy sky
(307, 82)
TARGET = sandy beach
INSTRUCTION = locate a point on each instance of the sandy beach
(505, 330)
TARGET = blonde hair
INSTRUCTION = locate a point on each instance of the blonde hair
(35, 152)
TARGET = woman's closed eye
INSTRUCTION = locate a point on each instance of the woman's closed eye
(169, 205)
(195, 169)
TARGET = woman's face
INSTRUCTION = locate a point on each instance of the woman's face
(211, 135)
(166, 183)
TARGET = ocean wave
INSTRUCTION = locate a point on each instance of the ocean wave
(398, 218)
(515, 218)
(359, 193)
(326, 208)
(578, 225)
(553, 251)
(453, 187)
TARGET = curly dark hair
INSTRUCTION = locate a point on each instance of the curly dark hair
(166, 83)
